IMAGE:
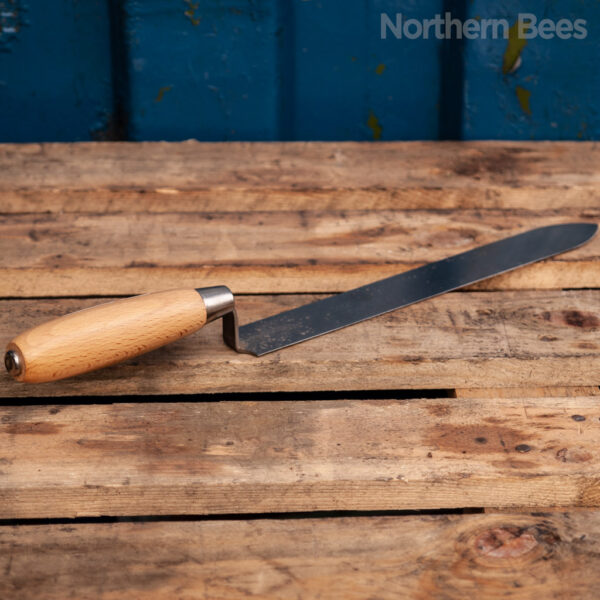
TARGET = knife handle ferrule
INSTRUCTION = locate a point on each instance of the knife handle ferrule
(218, 301)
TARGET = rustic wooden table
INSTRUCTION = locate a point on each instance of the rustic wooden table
(448, 450)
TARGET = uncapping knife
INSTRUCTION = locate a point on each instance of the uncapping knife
(110, 333)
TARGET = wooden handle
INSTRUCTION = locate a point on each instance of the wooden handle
(104, 335)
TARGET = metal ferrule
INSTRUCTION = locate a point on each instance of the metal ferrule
(218, 301)
(13, 363)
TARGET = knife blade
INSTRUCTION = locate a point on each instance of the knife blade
(368, 301)
(115, 331)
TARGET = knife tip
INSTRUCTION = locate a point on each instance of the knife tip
(589, 230)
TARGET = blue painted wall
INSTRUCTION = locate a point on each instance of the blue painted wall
(555, 92)
(349, 84)
(287, 69)
(55, 70)
(223, 70)
(208, 72)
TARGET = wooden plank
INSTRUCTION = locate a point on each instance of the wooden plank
(193, 176)
(281, 456)
(459, 340)
(77, 254)
(452, 557)
(541, 392)
(528, 510)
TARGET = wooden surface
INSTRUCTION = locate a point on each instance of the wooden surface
(234, 177)
(481, 400)
(124, 219)
(508, 339)
(448, 557)
(83, 254)
(265, 456)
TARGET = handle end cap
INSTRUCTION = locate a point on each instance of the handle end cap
(13, 363)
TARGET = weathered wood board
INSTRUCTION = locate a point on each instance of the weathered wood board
(112, 219)
(193, 176)
(83, 254)
(452, 557)
(511, 421)
(244, 457)
(510, 339)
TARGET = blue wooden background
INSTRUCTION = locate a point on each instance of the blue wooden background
(286, 70)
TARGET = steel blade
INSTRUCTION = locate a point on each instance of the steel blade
(335, 312)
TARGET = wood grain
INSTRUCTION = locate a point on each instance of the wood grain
(519, 557)
(193, 176)
(475, 339)
(540, 392)
(122, 219)
(106, 333)
(281, 456)
(81, 254)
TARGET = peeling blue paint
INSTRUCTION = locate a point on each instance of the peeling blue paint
(338, 79)
(562, 77)
(287, 69)
(55, 70)
(12, 20)
(222, 69)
